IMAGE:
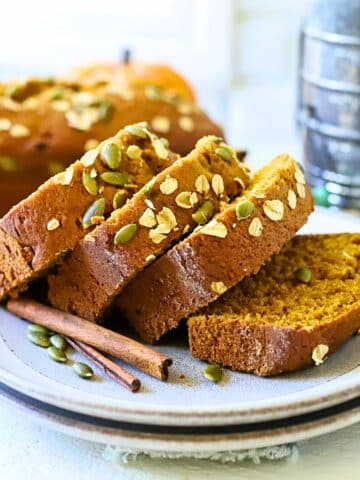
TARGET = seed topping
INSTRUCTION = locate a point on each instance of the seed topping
(53, 224)
(218, 287)
(215, 229)
(319, 354)
(186, 124)
(125, 234)
(292, 199)
(19, 131)
(301, 190)
(134, 152)
(160, 124)
(186, 199)
(274, 209)
(255, 227)
(169, 185)
(202, 184)
(148, 219)
(244, 209)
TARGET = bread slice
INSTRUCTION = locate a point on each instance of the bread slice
(45, 125)
(38, 231)
(186, 193)
(280, 320)
(213, 259)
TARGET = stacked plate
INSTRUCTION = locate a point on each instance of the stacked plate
(187, 414)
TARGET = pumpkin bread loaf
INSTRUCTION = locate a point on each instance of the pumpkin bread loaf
(235, 244)
(293, 313)
(38, 231)
(134, 74)
(184, 195)
(46, 125)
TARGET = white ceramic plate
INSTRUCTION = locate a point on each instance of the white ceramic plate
(187, 400)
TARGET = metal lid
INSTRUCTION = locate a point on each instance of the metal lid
(336, 16)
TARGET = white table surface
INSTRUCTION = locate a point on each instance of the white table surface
(31, 452)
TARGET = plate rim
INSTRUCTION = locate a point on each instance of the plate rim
(188, 443)
(122, 410)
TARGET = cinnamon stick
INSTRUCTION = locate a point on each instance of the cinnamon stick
(142, 357)
(117, 373)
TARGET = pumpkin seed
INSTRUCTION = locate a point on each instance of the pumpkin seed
(57, 354)
(59, 342)
(35, 328)
(244, 209)
(12, 90)
(153, 92)
(303, 274)
(96, 209)
(90, 184)
(225, 153)
(165, 142)
(83, 370)
(213, 373)
(39, 339)
(115, 178)
(111, 155)
(105, 110)
(9, 164)
(204, 213)
(137, 131)
(119, 199)
(145, 190)
(125, 234)
(55, 167)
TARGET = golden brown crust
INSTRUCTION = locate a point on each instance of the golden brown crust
(97, 270)
(266, 350)
(196, 271)
(48, 223)
(272, 323)
(41, 129)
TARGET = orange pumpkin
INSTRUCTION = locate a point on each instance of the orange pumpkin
(135, 74)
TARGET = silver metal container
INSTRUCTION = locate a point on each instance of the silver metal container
(329, 99)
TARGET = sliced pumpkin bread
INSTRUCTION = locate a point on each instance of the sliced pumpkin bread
(38, 231)
(235, 244)
(179, 198)
(292, 314)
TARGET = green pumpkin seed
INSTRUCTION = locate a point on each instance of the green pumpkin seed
(58, 93)
(115, 178)
(39, 339)
(111, 155)
(225, 153)
(146, 189)
(55, 167)
(244, 209)
(105, 110)
(165, 142)
(83, 370)
(137, 131)
(153, 92)
(303, 274)
(90, 184)
(59, 342)
(57, 354)
(8, 164)
(213, 373)
(35, 328)
(119, 199)
(204, 213)
(96, 209)
(12, 90)
(125, 234)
